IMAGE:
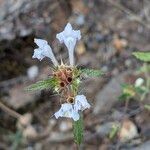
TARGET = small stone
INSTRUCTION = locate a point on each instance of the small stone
(128, 131)
(29, 132)
(119, 44)
(128, 62)
(80, 48)
(80, 20)
(117, 115)
(104, 69)
(25, 32)
(99, 37)
(18, 98)
(139, 119)
(65, 126)
(115, 72)
(104, 129)
(108, 96)
(143, 146)
(52, 122)
(38, 146)
(33, 72)
(63, 137)
(24, 120)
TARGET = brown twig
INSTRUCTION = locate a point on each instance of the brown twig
(10, 111)
(126, 105)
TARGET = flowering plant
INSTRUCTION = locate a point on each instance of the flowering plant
(141, 88)
(65, 79)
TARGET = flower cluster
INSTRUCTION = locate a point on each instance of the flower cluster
(67, 77)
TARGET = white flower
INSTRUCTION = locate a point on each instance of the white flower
(67, 110)
(139, 82)
(81, 103)
(69, 37)
(44, 50)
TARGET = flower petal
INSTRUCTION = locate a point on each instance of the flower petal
(69, 37)
(38, 54)
(81, 103)
(75, 115)
(67, 110)
(68, 29)
(40, 42)
(44, 50)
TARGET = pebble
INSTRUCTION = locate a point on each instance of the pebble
(65, 126)
(108, 96)
(105, 128)
(99, 37)
(29, 132)
(128, 62)
(80, 48)
(117, 115)
(119, 44)
(52, 122)
(128, 131)
(104, 69)
(33, 72)
(24, 121)
(80, 20)
(144, 146)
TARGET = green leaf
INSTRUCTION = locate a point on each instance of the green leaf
(143, 56)
(141, 89)
(40, 85)
(113, 131)
(124, 97)
(147, 107)
(75, 85)
(125, 85)
(92, 72)
(144, 69)
(78, 131)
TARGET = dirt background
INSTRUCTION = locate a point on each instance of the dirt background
(111, 30)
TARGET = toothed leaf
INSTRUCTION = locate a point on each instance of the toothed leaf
(40, 85)
(92, 72)
(143, 56)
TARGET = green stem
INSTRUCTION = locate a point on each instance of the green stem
(78, 131)
(147, 82)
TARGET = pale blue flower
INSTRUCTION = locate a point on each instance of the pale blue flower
(69, 37)
(81, 103)
(67, 110)
(44, 50)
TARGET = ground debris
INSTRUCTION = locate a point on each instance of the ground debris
(108, 96)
